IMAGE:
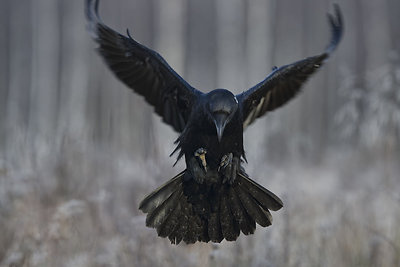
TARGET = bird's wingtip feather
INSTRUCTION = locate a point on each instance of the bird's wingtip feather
(336, 23)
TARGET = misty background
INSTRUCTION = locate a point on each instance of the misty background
(78, 150)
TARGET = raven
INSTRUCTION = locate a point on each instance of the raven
(214, 198)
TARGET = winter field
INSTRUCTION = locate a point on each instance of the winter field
(83, 212)
(79, 151)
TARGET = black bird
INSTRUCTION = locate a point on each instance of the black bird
(213, 198)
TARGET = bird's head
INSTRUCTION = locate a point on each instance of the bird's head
(221, 107)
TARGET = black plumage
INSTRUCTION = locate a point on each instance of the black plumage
(213, 199)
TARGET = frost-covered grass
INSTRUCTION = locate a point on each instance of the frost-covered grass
(78, 207)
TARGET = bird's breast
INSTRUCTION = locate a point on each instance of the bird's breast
(214, 149)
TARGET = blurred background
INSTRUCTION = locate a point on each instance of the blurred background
(78, 150)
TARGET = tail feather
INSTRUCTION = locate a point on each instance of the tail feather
(188, 227)
(184, 210)
(177, 235)
(268, 215)
(229, 225)
(252, 207)
(159, 195)
(171, 227)
(193, 225)
(181, 229)
(246, 224)
(264, 197)
(214, 228)
(156, 217)
(171, 222)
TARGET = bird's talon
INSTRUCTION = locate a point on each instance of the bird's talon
(229, 166)
(201, 154)
(225, 161)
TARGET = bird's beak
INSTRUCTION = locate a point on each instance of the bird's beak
(220, 120)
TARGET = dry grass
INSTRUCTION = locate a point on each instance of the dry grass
(77, 208)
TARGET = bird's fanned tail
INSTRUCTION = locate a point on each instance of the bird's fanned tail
(184, 210)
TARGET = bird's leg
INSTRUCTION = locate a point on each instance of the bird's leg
(229, 166)
(201, 155)
(225, 161)
(198, 165)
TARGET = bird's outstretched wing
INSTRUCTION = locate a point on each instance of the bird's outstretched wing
(144, 71)
(285, 82)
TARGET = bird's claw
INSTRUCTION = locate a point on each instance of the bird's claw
(225, 161)
(229, 166)
(201, 155)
